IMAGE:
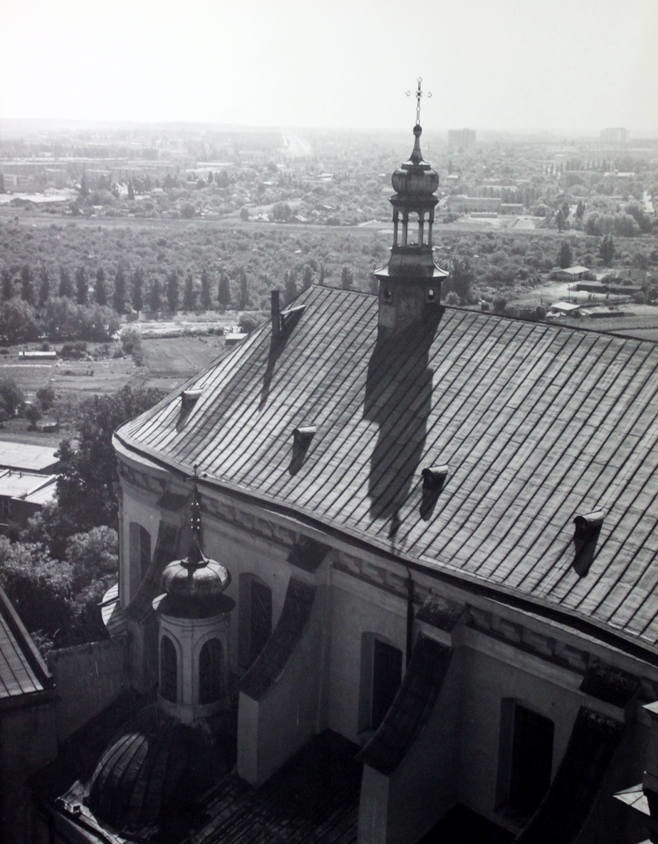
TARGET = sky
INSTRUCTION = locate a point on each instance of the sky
(489, 64)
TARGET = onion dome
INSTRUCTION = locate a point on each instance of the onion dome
(195, 586)
(415, 178)
(155, 765)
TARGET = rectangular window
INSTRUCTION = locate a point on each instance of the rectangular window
(386, 677)
(526, 759)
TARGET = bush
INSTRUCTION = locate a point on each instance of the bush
(247, 324)
(46, 397)
(32, 414)
(74, 351)
(11, 396)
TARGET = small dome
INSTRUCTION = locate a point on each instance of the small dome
(195, 587)
(155, 765)
(416, 177)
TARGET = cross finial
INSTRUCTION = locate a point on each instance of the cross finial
(419, 94)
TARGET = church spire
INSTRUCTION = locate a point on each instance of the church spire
(410, 284)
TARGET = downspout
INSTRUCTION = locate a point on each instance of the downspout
(410, 615)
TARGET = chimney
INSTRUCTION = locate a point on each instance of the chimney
(276, 313)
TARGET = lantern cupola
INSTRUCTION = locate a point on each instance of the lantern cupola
(410, 284)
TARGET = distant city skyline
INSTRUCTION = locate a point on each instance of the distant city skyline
(490, 64)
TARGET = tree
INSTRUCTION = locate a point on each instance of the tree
(131, 189)
(33, 414)
(81, 286)
(92, 555)
(11, 395)
(223, 291)
(281, 212)
(461, 279)
(607, 249)
(84, 187)
(2, 184)
(18, 322)
(62, 319)
(244, 289)
(100, 287)
(88, 481)
(644, 223)
(7, 284)
(119, 292)
(27, 284)
(173, 291)
(560, 220)
(38, 586)
(290, 288)
(346, 278)
(205, 291)
(155, 296)
(44, 286)
(189, 293)
(307, 277)
(46, 397)
(138, 289)
(65, 285)
(565, 255)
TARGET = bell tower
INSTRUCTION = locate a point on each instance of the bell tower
(410, 284)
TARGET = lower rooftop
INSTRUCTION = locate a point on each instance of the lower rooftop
(314, 797)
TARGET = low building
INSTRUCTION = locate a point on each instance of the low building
(562, 309)
(27, 457)
(465, 204)
(571, 273)
(22, 494)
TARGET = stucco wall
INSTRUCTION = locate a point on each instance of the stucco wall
(486, 682)
(273, 728)
(352, 615)
(244, 553)
(138, 506)
(88, 678)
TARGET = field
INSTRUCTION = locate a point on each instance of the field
(168, 363)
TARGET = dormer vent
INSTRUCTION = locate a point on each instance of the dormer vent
(290, 316)
(586, 534)
(189, 398)
(302, 436)
(435, 477)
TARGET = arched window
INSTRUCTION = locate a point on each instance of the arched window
(255, 617)
(168, 670)
(211, 667)
(140, 548)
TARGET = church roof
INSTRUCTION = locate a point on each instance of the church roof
(534, 424)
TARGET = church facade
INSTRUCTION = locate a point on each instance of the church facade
(425, 530)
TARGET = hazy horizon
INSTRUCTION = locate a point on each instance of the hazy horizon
(495, 66)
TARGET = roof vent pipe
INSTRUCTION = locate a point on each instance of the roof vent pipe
(276, 313)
